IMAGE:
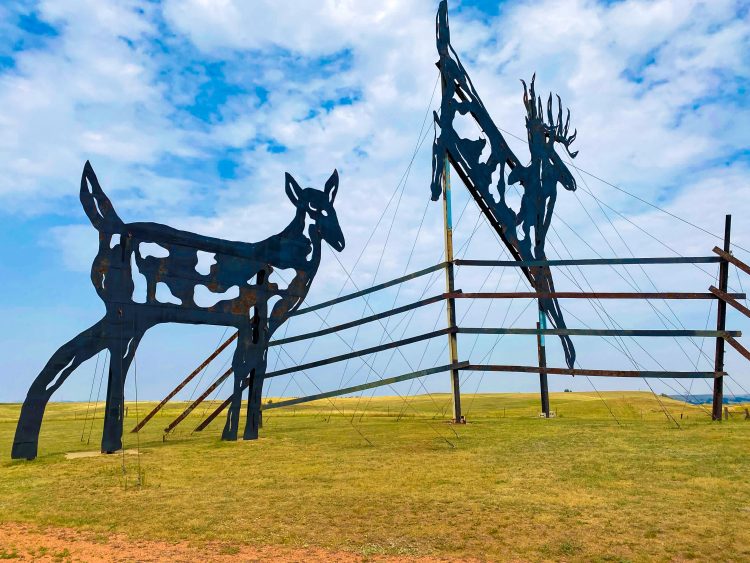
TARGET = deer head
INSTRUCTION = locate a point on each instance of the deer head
(318, 205)
(543, 135)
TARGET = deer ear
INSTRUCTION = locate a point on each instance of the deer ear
(332, 186)
(293, 191)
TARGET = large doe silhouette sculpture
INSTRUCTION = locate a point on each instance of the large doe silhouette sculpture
(168, 259)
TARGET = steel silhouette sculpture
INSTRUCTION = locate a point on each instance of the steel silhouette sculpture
(171, 261)
(480, 160)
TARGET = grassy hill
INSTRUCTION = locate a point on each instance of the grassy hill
(387, 476)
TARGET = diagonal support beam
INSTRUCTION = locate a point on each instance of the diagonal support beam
(364, 320)
(737, 346)
(329, 330)
(729, 257)
(365, 386)
(182, 384)
(369, 290)
(198, 401)
(362, 352)
(304, 310)
(319, 363)
(729, 299)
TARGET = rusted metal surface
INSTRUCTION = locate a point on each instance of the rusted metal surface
(184, 382)
(729, 257)
(210, 418)
(168, 259)
(210, 389)
(721, 319)
(730, 299)
(594, 372)
(593, 295)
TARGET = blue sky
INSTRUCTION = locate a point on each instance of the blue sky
(191, 114)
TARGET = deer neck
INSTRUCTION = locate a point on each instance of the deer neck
(302, 245)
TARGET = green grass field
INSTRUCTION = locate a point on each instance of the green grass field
(508, 485)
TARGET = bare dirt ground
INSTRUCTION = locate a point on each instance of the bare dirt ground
(25, 543)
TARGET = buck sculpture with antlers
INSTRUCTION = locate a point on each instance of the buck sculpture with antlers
(239, 279)
(478, 163)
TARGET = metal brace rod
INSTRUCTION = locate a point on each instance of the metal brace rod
(318, 363)
(197, 401)
(184, 382)
(602, 332)
(593, 295)
(358, 322)
(372, 289)
(365, 386)
(730, 299)
(733, 259)
(363, 352)
(592, 261)
(737, 346)
(594, 372)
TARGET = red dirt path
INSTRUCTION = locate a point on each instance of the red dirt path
(22, 542)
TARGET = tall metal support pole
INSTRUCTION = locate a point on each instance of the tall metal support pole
(542, 364)
(449, 287)
(721, 318)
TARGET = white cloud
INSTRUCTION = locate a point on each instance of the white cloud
(95, 95)
(91, 94)
(310, 28)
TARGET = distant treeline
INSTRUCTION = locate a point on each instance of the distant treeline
(700, 399)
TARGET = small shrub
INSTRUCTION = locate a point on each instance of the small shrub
(569, 548)
(62, 555)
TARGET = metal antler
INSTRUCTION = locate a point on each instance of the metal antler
(557, 131)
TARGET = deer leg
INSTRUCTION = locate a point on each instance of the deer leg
(254, 416)
(123, 345)
(241, 369)
(552, 306)
(62, 363)
(233, 412)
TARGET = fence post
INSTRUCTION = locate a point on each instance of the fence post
(542, 364)
(449, 288)
(721, 318)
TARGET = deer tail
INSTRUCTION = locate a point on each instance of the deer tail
(95, 202)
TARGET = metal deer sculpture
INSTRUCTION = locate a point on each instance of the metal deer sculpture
(169, 261)
(477, 163)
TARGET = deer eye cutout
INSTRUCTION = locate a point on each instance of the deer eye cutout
(324, 213)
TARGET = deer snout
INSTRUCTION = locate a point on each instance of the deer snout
(337, 242)
(330, 230)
